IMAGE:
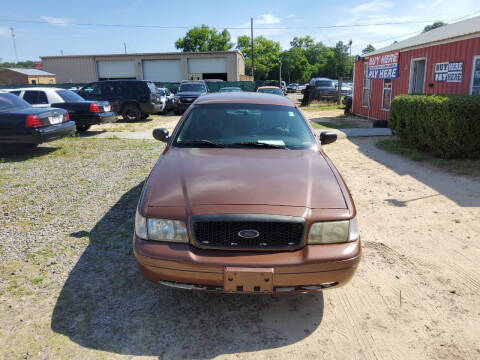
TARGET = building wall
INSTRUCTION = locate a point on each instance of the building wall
(41, 80)
(8, 77)
(83, 69)
(464, 50)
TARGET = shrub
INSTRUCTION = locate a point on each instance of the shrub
(447, 126)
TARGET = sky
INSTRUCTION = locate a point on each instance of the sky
(48, 27)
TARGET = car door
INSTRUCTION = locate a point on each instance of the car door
(114, 93)
(36, 98)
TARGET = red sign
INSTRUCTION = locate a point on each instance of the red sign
(37, 64)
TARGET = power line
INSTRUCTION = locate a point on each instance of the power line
(221, 27)
(414, 32)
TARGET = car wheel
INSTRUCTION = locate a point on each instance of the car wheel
(145, 116)
(131, 113)
(178, 112)
(30, 146)
(82, 128)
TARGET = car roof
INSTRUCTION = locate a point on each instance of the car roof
(244, 98)
(231, 87)
(268, 87)
(36, 88)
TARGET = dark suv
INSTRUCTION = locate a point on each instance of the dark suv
(133, 99)
(324, 89)
(187, 93)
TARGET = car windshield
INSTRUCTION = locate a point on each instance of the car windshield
(69, 96)
(192, 87)
(324, 83)
(9, 102)
(271, 91)
(245, 125)
(230, 89)
(152, 87)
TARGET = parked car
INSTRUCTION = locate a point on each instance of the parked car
(301, 87)
(22, 124)
(291, 88)
(187, 93)
(166, 96)
(133, 99)
(85, 113)
(230, 89)
(244, 200)
(324, 89)
(283, 86)
(270, 90)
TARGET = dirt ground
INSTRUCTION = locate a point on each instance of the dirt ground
(416, 294)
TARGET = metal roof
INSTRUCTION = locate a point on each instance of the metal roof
(446, 32)
(31, 72)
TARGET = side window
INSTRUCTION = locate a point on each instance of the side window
(112, 89)
(476, 76)
(15, 92)
(387, 94)
(31, 97)
(366, 87)
(42, 97)
(93, 89)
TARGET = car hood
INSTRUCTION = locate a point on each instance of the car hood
(206, 176)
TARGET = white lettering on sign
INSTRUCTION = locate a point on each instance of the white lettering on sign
(449, 71)
(383, 66)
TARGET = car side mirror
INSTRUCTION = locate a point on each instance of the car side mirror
(327, 137)
(161, 134)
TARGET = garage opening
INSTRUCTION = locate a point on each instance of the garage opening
(219, 76)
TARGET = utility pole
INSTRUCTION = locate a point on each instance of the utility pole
(12, 33)
(251, 41)
(125, 47)
(61, 52)
(280, 73)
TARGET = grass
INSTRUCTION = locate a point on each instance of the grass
(333, 125)
(318, 106)
(456, 166)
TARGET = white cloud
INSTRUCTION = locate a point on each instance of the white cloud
(4, 31)
(374, 6)
(55, 21)
(267, 19)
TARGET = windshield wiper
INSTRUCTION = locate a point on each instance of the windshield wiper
(201, 142)
(261, 144)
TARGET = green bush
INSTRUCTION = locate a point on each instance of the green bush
(446, 126)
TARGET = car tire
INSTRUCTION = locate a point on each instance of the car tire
(30, 146)
(83, 128)
(380, 124)
(131, 113)
(178, 112)
(145, 116)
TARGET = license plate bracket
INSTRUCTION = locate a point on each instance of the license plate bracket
(247, 280)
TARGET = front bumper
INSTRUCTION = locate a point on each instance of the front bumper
(311, 268)
(179, 106)
(151, 108)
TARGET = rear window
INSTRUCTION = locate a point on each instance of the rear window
(9, 102)
(192, 87)
(271, 91)
(69, 96)
(324, 83)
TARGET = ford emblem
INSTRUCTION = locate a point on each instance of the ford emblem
(248, 234)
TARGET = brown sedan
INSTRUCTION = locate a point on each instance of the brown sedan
(243, 199)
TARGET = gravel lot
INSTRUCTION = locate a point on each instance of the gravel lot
(70, 287)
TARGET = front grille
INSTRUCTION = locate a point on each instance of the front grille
(272, 234)
(187, 100)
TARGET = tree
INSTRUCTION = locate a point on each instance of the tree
(296, 65)
(368, 49)
(435, 25)
(20, 64)
(344, 63)
(304, 43)
(204, 39)
(266, 56)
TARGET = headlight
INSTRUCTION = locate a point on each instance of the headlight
(332, 232)
(160, 229)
